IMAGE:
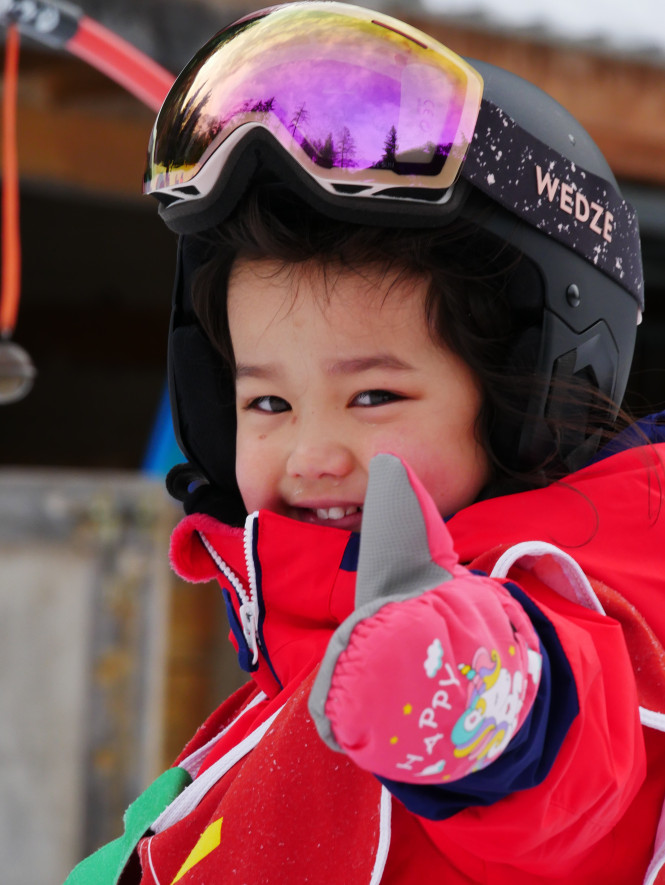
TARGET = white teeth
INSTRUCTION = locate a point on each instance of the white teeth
(335, 512)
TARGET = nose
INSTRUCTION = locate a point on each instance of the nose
(318, 450)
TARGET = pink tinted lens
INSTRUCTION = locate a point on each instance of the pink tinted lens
(353, 96)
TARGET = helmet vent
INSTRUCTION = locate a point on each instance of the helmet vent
(167, 199)
(412, 193)
(350, 188)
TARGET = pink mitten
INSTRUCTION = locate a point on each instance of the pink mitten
(437, 668)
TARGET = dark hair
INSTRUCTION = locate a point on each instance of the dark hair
(470, 307)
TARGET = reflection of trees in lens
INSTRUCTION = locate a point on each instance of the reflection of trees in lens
(346, 148)
(390, 147)
(300, 117)
(326, 154)
(428, 159)
(188, 132)
(262, 107)
(185, 132)
(183, 141)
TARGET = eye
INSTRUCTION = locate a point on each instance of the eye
(370, 398)
(269, 404)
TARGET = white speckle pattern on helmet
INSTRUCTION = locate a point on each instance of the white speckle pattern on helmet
(556, 196)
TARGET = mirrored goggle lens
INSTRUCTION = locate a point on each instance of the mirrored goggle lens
(360, 100)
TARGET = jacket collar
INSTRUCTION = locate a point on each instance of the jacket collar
(287, 586)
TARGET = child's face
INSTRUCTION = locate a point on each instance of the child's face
(332, 371)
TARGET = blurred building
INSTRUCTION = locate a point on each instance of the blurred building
(106, 661)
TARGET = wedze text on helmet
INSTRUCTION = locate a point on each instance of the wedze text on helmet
(573, 202)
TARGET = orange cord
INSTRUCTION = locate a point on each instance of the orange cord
(11, 235)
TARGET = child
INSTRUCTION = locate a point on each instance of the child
(407, 288)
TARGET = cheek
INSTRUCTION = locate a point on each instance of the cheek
(458, 479)
(254, 472)
(449, 462)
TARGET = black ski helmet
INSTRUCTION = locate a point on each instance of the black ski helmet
(263, 94)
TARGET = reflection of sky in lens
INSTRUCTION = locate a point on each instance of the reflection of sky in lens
(333, 96)
(357, 83)
(360, 76)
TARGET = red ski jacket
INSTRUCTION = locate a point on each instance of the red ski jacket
(269, 802)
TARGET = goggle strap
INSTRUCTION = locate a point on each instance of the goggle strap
(549, 192)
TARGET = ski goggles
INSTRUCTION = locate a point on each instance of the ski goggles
(364, 104)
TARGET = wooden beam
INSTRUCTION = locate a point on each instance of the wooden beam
(89, 151)
(78, 129)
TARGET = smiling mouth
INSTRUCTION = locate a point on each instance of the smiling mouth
(333, 513)
(340, 516)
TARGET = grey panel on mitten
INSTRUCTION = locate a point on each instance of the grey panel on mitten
(394, 564)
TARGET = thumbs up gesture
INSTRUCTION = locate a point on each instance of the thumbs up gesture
(437, 668)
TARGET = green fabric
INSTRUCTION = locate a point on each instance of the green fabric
(105, 866)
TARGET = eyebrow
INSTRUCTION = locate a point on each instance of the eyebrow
(248, 371)
(352, 366)
(365, 363)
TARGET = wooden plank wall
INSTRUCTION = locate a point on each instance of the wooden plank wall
(77, 129)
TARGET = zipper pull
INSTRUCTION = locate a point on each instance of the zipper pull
(249, 623)
(249, 609)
